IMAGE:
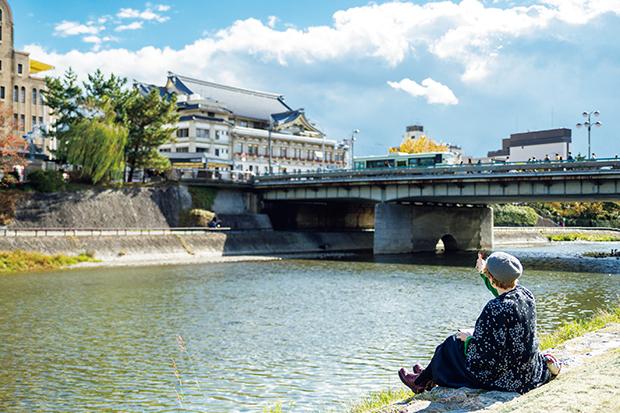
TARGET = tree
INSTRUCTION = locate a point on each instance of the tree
(419, 145)
(151, 120)
(96, 145)
(64, 97)
(12, 147)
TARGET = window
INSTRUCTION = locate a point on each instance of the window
(22, 122)
(20, 68)
(183, 149)
(202, 133)
(211, 114)
(217, 152)
(34, 96)
(15, 121)
(15, 93)
(164, 150)
(182, 133)
(34, 121)
(283, 152)
(22, 95)
(2, 92)
(0, 40)
(199, 149)
(41, 120)
(41, 98)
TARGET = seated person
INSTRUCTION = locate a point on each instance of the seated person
(502, 353)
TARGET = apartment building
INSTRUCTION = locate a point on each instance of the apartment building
(20, 89)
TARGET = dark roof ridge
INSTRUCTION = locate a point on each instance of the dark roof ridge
(231, 88)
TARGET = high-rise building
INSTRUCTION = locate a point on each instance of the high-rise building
(19, 88)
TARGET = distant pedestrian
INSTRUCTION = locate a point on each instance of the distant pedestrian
(593, 156)
(570, 157)
(547, 158)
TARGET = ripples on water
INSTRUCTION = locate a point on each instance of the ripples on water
(311, 334)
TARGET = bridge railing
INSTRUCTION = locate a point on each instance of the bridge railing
(452, 170)
(104, 232)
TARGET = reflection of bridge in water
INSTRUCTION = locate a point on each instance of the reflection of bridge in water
(412, 208)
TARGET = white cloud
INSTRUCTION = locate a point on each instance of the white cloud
(433, 91)
(147, 14)
(69, 28)
(271, 21)
(470, 34)
(162, 7)
(130, 26)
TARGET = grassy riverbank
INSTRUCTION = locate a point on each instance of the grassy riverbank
(378, 400)
(581, 236)
(22, 261)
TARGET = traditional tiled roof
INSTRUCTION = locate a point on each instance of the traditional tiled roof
(242, 102)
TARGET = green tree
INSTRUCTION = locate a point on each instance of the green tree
(112, 89)
(151, 120)
(95, 145)
(64, 97)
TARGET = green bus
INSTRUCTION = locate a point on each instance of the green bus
(405, 160)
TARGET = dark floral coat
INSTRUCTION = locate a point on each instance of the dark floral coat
(503, 352)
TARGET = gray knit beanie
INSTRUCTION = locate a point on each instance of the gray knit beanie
(504, 267)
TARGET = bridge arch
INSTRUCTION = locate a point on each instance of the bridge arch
(447, 243)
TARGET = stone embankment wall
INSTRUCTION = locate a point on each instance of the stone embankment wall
(157, 207)
(538, 235)
(118, 208)
(225, 243)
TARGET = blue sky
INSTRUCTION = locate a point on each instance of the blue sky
(471, 71)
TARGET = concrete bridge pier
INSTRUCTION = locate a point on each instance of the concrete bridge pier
(401, 229)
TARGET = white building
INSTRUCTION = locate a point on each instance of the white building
(522, 147)
(226, 128)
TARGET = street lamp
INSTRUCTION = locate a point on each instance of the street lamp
(588, 124)
(353, 139)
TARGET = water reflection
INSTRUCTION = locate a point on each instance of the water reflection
(310, 332)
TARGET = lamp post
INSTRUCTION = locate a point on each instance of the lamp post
(353, 139)
(588, 124)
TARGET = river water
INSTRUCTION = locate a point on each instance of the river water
(311, 334)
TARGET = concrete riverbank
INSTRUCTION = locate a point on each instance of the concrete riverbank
(588, 383)
(179, 249)
(539, 235)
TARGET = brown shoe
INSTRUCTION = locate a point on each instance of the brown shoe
(409, 378)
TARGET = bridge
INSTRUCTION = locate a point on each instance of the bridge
(412, 208)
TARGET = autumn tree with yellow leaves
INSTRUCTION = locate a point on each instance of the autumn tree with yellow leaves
(420, 145)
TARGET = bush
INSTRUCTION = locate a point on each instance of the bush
(197, 218)
(202, 198)
(46, 181)
(514, 216)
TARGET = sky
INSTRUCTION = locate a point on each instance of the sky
(472, 72)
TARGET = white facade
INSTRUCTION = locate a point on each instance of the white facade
(225, 128)
(525, 153)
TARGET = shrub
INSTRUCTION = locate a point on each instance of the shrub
(197, 218)
(514, 216)
(46, 181)
(202, 198)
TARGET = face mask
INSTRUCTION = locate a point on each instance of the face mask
(489, 286)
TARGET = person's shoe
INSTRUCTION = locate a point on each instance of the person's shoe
(408, 380)
(417, 368)
(553, 365)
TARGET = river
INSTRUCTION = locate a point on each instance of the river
(311, 334)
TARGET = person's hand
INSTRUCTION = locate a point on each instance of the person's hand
(481, 263)
(462, 335)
